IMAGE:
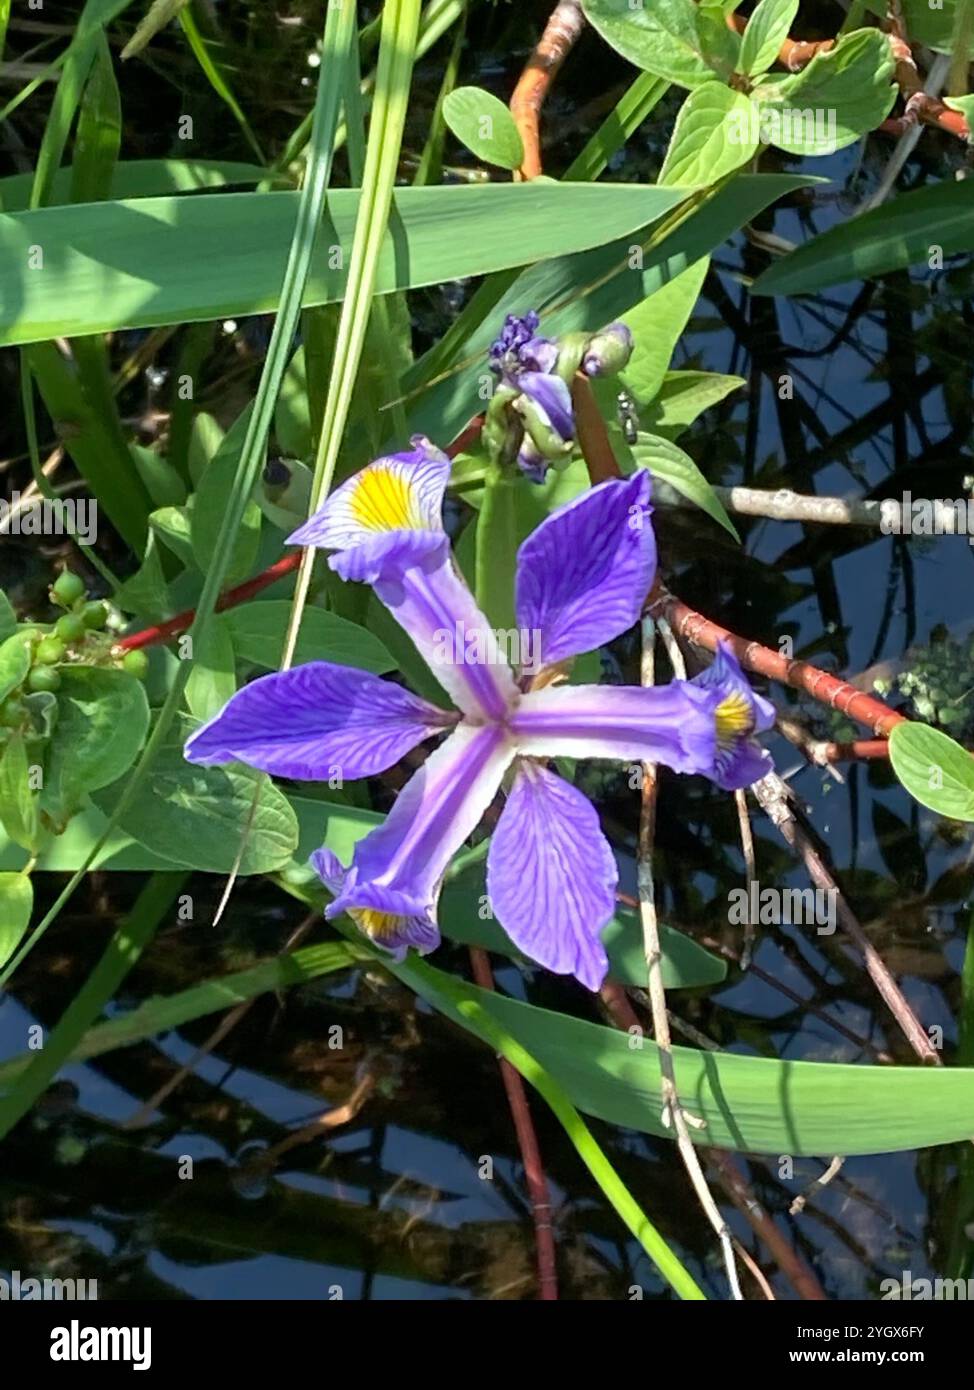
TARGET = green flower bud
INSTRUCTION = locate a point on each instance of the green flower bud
(136, 664)
(67, 589)
(43, 678)
(95, 614)
(70, 628)
(50, 650)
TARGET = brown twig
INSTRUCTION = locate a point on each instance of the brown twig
(559, 38)
(830, 690)
(530, 1152)
(772, 793)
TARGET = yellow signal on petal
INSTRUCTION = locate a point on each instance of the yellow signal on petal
(733, 717)
(374, 923)
(384, 500)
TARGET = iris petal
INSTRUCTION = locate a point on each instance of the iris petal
(384, 929)
(387, 513)
(398, 867)
(670, 724)
(583, 575)
(317, 721)
(551, 875)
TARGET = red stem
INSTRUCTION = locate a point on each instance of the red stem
(527, 1141)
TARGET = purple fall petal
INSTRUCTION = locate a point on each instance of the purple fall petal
(739, 713)
(384, 929)
(671, 724)
(551, 876)
(317, 721)
(398, 867)
(432, 602)
(583, 575)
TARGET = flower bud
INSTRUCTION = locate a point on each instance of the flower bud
(608, 351)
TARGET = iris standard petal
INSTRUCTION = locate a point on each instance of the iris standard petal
(316, 722)
(386, 514)
(551, 875)
(398, 867)
(432, 602)
(384, 929)
(583, 575)
(670, 724)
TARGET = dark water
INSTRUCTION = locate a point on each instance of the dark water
(392, 1204)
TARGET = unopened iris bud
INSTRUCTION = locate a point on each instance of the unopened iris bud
(548, 440)
(608, 351)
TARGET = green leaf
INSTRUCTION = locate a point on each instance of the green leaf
(713, 135)
(656, 326)
(768, 27)
(660, 37)
(194, 817)
(16, 904)
(159, 14)
(720, 45)
(103, 718)
(205, 438)
(485, 126)
(18, 799)
(841, 95)
(211, 501)
(928, 22)
(213, 678)
(99, 133)
(173, 526)
(257, 630)
(965, 105)
(170, 260)
(900, 233)
(935, 769)
(162, 482)
(668, 461)
(682, 397)
(139, 178)
(749, 1104)
(14, 663)
(8, 618)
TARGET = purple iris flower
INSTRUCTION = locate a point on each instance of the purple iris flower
(582, 579)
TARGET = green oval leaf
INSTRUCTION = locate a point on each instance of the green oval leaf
(14, 663)
(103, 718)
(668, 461)
(661, 37)
(195, 816)
(485, 126)
(714, 134)
(257, 630)
(766, 31)
(934, 768)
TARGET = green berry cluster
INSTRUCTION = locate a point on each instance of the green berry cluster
(78, 636)
(939, 684)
